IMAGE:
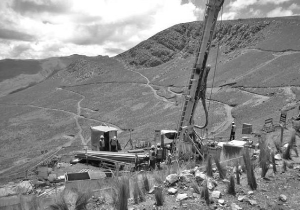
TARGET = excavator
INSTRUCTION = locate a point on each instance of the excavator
(187, 139)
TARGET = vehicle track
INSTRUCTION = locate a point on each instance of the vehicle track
(128, 68)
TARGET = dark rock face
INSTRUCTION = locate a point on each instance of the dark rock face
(183, 39)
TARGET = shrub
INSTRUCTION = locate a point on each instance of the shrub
(159, 196)
(209, 167)
(264, 156)
(221, 170)
(195, 187)
(287, 152)
(249, 170)
(284, 166)
(273, 162)
(71, 197)
(138, 195)
(205, 194)
(237, 173)
(146, 186)
(278, 147)
(136, 192)
(231, 186)
(123, 194)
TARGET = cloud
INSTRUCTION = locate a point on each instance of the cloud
(294, 7)
(279, 11)
(255, 13)
(237, 5)
(31, 6)
(228, 16)
(15, 35)
(99, 33)
(19, 49)
(105, 27)
(114, 50)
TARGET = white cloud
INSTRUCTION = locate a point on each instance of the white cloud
(241, 4)
(228, 16)
(255, 13)
(279, 11)
(89, 27)
(237, 5)
(294, 7)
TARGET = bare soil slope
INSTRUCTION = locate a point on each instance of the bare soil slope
(256, 77)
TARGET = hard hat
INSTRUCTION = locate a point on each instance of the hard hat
(152, 147)
(232, 123)
(101, 137)
(115, 137)
(158, 144)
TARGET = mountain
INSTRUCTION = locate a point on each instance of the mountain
(50, 103)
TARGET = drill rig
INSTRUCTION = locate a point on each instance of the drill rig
(196, 91)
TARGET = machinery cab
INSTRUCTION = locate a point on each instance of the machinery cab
(166, 139)
(108, 133)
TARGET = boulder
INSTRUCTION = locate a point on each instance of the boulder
(23, 187)
(196, 195)
(277, 157)
(186, 176)
(216, 194)
(241, 198)
(200, 176)
(283, 198)
(250, 192)
(7, 190)
(172, 178)
(152, 190)
(211, 184)
(221, 201)
(172, 191)
(252, 202)
(181, 197)
(235, 207)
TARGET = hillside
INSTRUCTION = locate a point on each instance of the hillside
(256, 77)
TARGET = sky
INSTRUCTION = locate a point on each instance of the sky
(37, 29)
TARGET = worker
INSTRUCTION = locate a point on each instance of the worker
(232, 132)
(169, 155)
(159, 155)
(101, 143)
(152, 158)
(114, 144)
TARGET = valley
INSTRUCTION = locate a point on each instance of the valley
(253, 79)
